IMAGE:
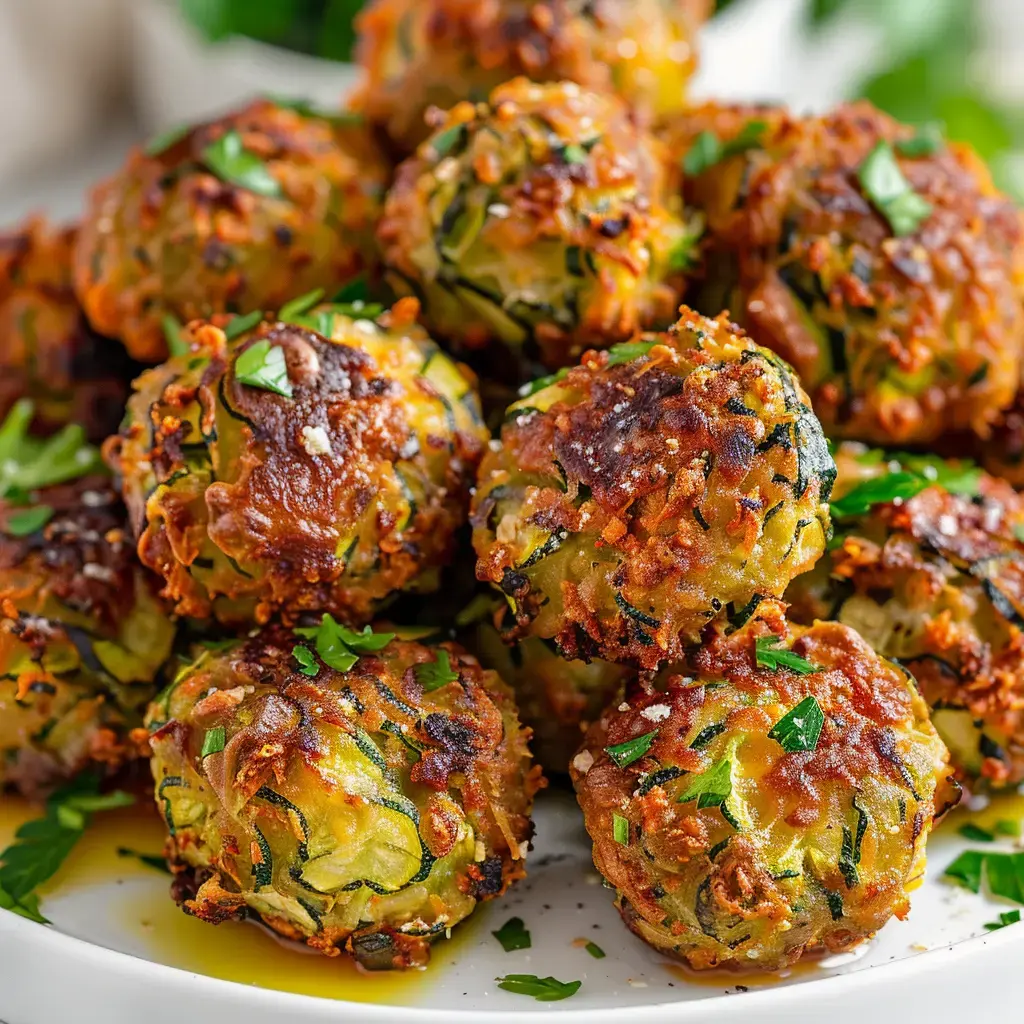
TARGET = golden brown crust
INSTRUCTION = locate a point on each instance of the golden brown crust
(166, 235)
(898, 339)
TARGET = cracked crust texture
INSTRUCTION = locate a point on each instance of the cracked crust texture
(440, 52)
(248, 502)
(649, 490)
(82, 640)
(794, 849)
(937, 581)
(168, 236)
(538, 222)
(898, 340)
(356, 811)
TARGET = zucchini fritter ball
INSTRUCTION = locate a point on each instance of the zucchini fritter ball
(639, 495)
(48, 352)
(775, 799)
(419, 53)
(365, 809)
(934, 577)
(82, 636)
(239, 214)
(884, 266)
(276, 469)
(536, 221)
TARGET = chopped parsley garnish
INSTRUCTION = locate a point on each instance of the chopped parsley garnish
(708, 149)
(238, 325)
(27, 521)
(976, 834)
(155, 861)
(800, 728)
(163, 141)
(620, 829)
(263, 365)
(1005, 872)
(595, 950)
(631, 750)
(172, 335)
(712, 788)
(301, 305)
(232, 162)
(625, 352)
(338, 646)
(444, 142)
(213, 741)
(1008, 827)
(926, 142)
(28, 464)
(573, 154)
(1005, 918)
(513, 935)
(41, 846)
(768, 654)
(884, 184)
(967, 869)
(307, 663)
(432, 675)
(544, 990)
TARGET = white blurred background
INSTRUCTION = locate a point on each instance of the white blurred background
(81, 79)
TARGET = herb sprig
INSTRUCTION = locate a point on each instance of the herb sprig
(800, 728)
(263, 365)
(768, 654)
(544, 990)
(513, 935)
(626, 753)
(708, 149)
(884, 184)
(432, 675)
(338, 646)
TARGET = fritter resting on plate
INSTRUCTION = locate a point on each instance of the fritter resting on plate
(272, 468)
(771, 798)
(651, 489)
(239, 214)
(439, 52)
(48, 353)
(884, 265)
(357, 794)
(929, 568)
(537, 222)
(82, 634)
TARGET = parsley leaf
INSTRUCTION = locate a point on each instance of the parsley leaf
(238, 325)
(172, 335)
(1005, 918)
(513, 935)
(626, 753)
(544, 990)
(573, 154)
(768, 654)
(432, 675)
(976, 834)
(232, 162)
(263, 365)
(799, 728)
(967, 869)
(708, 149)
(927, 141)
(712, 788)
(27, 521)
(595, 950)
(620, 829)
(307, 663)
(300, 305)
(213, 741)
(445, 141)
(1005, 872)
(884, 184)
(338, 646)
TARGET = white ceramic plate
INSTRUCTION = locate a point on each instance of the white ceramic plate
(120, 951)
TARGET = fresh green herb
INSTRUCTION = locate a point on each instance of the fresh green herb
(544, 990)
(1005, 872)
(620, 829)
(1005, 918)
(708, 149)
(356, 290)
(28, 521)
(768, 654)
(799, 728)
(513, 935)
(444, 142)
(238, 325)
(232, 162)
(595, 950)
(926, 142)
(884, 184)
(166, 139)
(307, 663)
(973, 832)
(213, 741)
(712, 788)
(301, 305)
(878, 491)
(151, 860)
(573, 154)
(967, 869)
(1007, 827)
(338, 646)
(172, 335)
(263, 365)
(28, 464)
(432, 675)
(631, 750)
(41, 846)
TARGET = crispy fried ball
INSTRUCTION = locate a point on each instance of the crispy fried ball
(537, 221)
(732, 831)
(275, 469)
(936, 580)
(82, 638)
(639, 495)
(48, 352)
(898, 337)
(419, 53)
(239, 214)
(366, 810)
